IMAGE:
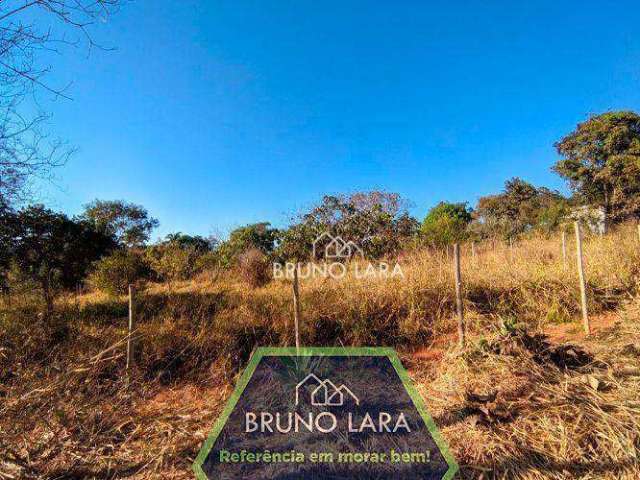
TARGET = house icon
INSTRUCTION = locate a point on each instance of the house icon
(322, 239)
(335, 247)
(324, 393)
(305, 387)
(349, 249)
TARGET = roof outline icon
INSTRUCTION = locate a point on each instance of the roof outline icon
(333, 395)
(337, 247)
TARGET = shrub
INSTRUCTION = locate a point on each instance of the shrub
(114, 273)
(259, 236)
(208, 261)
(445, 224)
(253, 266)
(171, 261)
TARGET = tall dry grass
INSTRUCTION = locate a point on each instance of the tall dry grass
(217, 315)
(516, 407)
(528, 283)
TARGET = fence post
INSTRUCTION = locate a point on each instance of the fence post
(564, 249)
(638, 231)
(583, 289)
(459, 306)
(473, 250)
(129, 340)
(296, 307)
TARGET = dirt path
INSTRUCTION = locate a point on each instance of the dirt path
(571, 332)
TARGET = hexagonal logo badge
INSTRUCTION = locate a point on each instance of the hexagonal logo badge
(325, 413)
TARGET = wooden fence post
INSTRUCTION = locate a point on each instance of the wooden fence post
(459, 306)
(564, 250)
(473, 250)
(296, 307)
(131, 319)
(583, 288)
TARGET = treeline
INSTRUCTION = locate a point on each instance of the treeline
(107, 246)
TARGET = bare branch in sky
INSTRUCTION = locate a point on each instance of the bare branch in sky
(26, 34)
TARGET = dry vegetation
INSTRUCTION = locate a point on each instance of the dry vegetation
(514, 405)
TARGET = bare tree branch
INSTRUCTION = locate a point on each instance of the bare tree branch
(26, 151)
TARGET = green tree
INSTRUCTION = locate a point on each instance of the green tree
(446, 223)
(179, 256)
(171, 261)
(115, 272)
(378, 222)
(519, 208)
(53, 250)
(601, 162)
(198, 243)
(294, 243)
(129, 223)
(259, 236)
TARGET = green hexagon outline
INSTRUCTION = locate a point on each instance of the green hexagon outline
(388, 352)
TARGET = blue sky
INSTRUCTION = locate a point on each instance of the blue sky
(217, 114)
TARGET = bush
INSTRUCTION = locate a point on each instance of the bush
(209, 261)
(446, 223)
(171, 261)
(259, 236)
(114, 273)
(253, 266)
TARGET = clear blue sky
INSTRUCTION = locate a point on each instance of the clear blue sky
(217, 114)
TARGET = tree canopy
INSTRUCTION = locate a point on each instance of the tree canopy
(198, 243)
(53, 250)
(601, 162)
(259, 236)
(519, 208)
(129, 223)
(378, 222)
(446, 223)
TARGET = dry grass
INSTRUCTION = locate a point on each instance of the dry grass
(506, 407)
(512, 408)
